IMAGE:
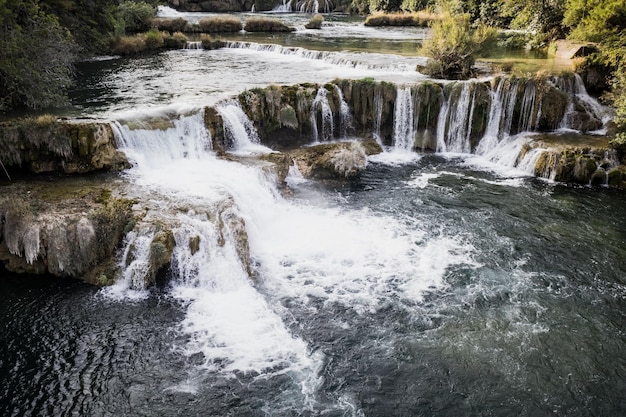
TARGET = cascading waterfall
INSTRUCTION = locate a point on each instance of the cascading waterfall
(404, 132)
(362, 61)
(356, 259)
(285, 7)
(345, 116)
(239, 129)
(193, 45)
(455, 122)
(378, 112)
(322, 112)
(575, 89)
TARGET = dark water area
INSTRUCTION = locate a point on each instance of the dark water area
(529, 322)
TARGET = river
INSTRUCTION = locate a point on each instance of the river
(434, 284)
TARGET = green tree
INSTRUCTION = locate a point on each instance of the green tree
(36, 57)
(453, 46)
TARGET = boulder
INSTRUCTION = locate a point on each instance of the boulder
(336, 161)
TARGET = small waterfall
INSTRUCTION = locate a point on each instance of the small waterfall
(313, 6)
(322, 113)
(239, 129)
(455, 121)
(403, 130)
(378, 112)
(575, 89)
(528, 106)
(194, 45)
(345, 116)
(500, 115)
(185, 138)
(283, 8)
(135, 262)
(343, 59)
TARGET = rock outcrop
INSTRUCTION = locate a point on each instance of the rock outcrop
(62, 229)
(46, 145)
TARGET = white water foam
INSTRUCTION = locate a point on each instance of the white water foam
(301, 250)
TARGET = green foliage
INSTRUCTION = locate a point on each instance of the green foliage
(453, 46)
(133, 17)
(154, 39)
(36, 57)
(595, 20)
(619, 94)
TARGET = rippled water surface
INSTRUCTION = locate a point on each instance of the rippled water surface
(522, 314)
(432, 285)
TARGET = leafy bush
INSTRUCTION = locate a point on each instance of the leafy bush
(453, 46)
(213, 24)
(266, 24)
(154, 39)
(36, 56)
(133, 17)
(177, 40)
(209, 43)
(315, 22)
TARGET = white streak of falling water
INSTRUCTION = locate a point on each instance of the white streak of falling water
(378, 112)
(455, 123)
(345, 116)
(403, 131)
(239, 129)
(321, 107)
(500, 99)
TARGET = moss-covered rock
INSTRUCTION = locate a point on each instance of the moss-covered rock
(46, 145)
(66, 232)
(331, 161)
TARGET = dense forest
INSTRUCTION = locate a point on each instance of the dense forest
(39, 41)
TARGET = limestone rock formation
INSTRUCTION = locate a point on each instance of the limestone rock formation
(66, 231)
(338, 160)
(46, 145)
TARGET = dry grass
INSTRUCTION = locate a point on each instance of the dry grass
(266, 24)
(209, 43)
(216, 24)
(130, 45)
(315, 22)
(420, 19)
(169, 24)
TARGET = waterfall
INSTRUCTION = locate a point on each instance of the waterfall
(322, 113)
(313, 6)
(285, 7)
(345, 116)
(364, 61)
(185, 138)
(234, 325)
(135, 262)
(575, 89)
(239, 129)
(403, 130)
(455, 121)
(500, 117)
(378, 112)
(193, 45)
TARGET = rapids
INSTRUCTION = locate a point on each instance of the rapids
(436, 284)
